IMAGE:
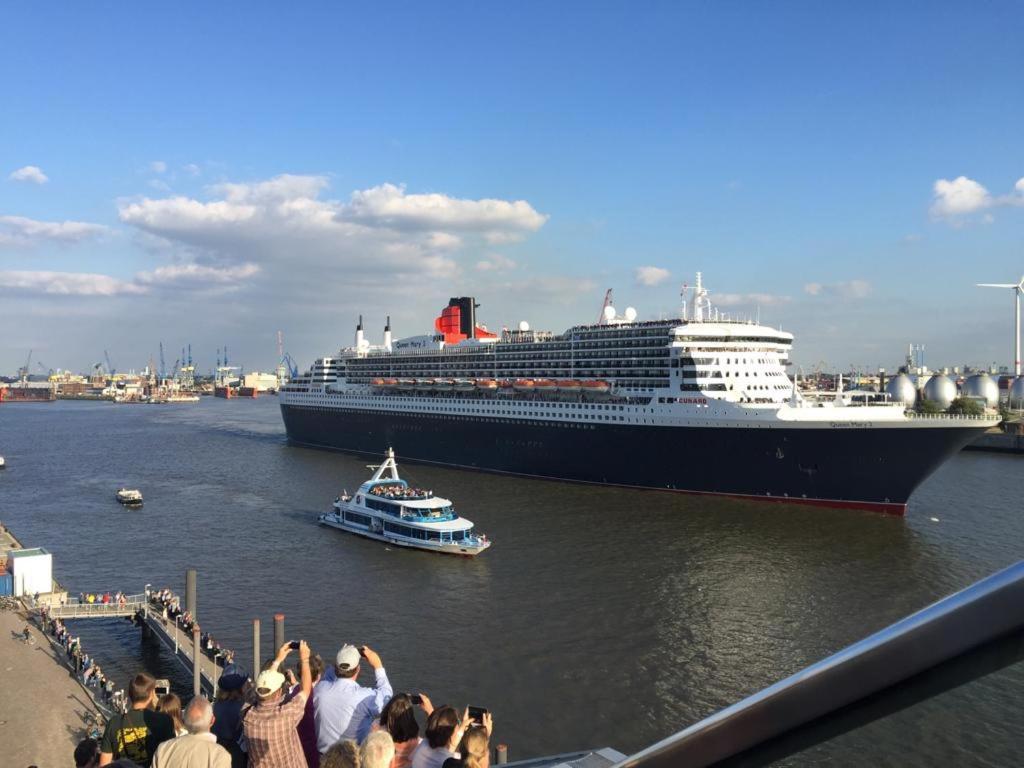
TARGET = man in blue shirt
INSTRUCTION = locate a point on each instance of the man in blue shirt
(343, 709)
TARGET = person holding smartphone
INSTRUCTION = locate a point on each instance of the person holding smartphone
(398, 718)
(343, 709)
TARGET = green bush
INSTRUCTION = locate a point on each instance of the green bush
(929, 406)
(966, 407)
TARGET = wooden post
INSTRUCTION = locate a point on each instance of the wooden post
(278, 631)
(255, 649)
(501, 754)
(190, 593)
(197, 663)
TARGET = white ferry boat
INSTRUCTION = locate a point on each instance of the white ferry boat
(387, 508)
(130, 497)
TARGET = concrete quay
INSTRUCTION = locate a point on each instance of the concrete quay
(44, 710)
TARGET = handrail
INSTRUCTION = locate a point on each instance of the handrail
(959, 638)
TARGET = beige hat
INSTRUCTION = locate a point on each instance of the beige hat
(347, 658)
(268, 683)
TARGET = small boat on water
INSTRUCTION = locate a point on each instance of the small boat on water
(130, 497)
(387, 509)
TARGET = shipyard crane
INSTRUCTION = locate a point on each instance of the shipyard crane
(110, 366)
(293, 369)
(607, 303)
(163, 366)
(23, 371)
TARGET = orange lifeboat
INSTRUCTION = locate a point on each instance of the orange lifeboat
(595, 387)
(487, 385)
(523, 385)
(390, 383)
(546, 386)
(569, 386)
(377, 382)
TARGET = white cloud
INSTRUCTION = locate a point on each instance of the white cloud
(197, 274)
(284, 223)
(849, 289)
(495, 262)
(20, 231)
(956, 199)
(66, 283)
(158, 166)
(192, 169)
(32, 173)
(748, 299)
(651, 276)
(389, 205)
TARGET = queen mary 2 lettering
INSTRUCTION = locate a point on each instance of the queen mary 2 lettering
(697, 404)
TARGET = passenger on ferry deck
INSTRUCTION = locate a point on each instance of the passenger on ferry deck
(399, 719)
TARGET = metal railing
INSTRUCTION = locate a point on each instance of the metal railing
(76, 609)
(960, 638)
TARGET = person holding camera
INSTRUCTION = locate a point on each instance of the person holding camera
(343, 708)
(270, 725)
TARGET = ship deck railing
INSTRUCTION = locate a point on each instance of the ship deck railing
(959, 639)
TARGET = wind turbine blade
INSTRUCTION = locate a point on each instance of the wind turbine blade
(996, 285)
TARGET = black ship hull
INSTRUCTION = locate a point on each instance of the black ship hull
(874, 468)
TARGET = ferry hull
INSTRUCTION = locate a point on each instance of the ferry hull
(874, 468)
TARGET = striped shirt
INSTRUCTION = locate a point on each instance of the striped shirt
(270, 730)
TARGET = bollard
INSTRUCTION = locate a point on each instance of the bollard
(190, 593)
(197, 679)
(278, 631)
(501, 754)
(255, 648)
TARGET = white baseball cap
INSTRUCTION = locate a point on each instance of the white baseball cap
(348, 658)
(268, 683)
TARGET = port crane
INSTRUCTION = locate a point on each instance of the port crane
(110, 366)
(23, 371)
(163, 366)
(293, 369)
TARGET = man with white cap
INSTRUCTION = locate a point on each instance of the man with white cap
(343, 709)
(270, 725)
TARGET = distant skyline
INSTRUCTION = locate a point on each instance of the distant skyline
(213, 174)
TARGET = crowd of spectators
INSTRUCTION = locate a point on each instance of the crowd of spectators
(89, 672)
(169, 605)
(310, 715)
(101, 598)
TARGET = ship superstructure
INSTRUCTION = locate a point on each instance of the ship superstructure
(697, 403)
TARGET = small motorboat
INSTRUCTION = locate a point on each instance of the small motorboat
(130, 497)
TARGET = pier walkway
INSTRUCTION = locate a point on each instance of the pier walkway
(74, 609)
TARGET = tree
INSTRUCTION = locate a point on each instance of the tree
(929, 406)
(966, 406)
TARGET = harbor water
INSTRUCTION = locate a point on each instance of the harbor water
(600, 617)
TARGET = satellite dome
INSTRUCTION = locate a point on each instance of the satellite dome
(630, 314)
(901, 389)
(609, 313)
(982, 387)
(940, 390)
(523, 325)
(1017, 394)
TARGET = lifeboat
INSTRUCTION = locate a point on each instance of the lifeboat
(425, 384)
(523, 385)
(487, 385)
(390, 383)
(464, 385)
(406, 384)
(546, 386)
(443, 385)
(506, 384)
(377, 382)
(595, 387)
(569, 386)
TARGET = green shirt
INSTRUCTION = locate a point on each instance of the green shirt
(136, 735)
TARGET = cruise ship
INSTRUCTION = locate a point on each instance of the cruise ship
(698, 404)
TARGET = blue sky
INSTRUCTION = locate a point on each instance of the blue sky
(531, 154)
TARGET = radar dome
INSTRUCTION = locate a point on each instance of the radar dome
(1017, 394)
(940, 390)
(609, 313)
(630, 314)
(901, 389)
(982, 387)
(523, 325)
